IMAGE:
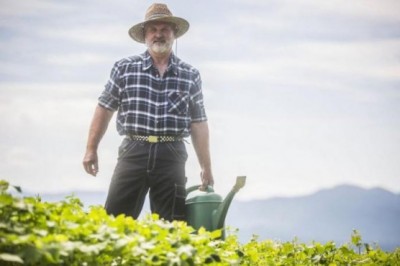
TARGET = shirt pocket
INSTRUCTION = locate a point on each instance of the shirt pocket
(178, 102)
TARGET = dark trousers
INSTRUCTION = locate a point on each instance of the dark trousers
(155, 167)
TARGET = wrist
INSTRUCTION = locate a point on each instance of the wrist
(91, 148)
(206, 169)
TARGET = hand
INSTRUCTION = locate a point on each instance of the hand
(90, 163)
(206, 179)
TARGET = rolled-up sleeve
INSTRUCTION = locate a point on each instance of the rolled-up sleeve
(197, 109)
(110, 97)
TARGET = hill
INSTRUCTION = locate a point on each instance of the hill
(330, 214)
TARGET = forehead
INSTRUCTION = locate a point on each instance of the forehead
(159, 24)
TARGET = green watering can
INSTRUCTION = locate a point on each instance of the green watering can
(207, 209)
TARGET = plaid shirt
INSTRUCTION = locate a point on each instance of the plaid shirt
(148, 104)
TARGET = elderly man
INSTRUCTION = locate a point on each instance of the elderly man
(159, 102)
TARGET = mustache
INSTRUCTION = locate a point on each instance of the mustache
(162, 40)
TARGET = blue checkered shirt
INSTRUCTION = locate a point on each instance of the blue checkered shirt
(148, 104)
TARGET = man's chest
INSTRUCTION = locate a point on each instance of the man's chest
(157, 89)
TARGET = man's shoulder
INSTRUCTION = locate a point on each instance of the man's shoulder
(182, 65)
(134, 59)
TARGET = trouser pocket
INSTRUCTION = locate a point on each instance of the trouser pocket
(178, 211)
(177, 150)
(126, 146)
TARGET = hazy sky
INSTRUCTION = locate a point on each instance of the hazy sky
(301, 95)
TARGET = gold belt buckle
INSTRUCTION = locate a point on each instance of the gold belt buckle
(152, 139)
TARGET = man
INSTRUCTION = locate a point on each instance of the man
(159, 102)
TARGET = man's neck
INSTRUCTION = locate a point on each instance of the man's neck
(160, 59)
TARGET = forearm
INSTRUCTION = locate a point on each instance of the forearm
(98, 127)
(201, 144)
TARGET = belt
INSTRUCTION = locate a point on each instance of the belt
(155, 139)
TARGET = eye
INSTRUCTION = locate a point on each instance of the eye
(150, 29)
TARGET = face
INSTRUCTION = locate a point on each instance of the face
(159, 37)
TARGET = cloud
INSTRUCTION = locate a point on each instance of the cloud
(284, 22)
(105, 34)
(300, 95)
(284, 154)
(19, 157)
(46, 108)
(44, 130)
(383, 10)
(76, 59)
(356, 69)
(377, 11)
(10, 8)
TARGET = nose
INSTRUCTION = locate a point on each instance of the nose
(158, 33)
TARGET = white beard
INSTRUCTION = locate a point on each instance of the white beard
(160, 48)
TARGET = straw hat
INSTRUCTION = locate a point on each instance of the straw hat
(158, 12)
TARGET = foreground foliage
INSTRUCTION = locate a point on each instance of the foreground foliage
(33, 232)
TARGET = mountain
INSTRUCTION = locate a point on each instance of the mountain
(330, 214)
(88, 198)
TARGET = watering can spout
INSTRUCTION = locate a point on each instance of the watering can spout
(219, 214)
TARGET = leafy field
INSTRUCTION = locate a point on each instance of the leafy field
(33, 232)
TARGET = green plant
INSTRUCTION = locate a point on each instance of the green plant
(33, 232)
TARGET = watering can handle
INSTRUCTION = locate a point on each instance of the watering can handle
(196, 187)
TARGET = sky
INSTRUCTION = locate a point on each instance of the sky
(300, 95)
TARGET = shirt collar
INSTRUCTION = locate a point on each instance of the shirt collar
(172, 65)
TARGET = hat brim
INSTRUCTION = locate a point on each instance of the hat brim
(137, 31)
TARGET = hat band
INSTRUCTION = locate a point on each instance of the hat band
(159, 15)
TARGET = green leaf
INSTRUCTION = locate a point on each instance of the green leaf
(356, 238)
(3, 185)
(216, 234)
(10, 258)
(18, 188)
